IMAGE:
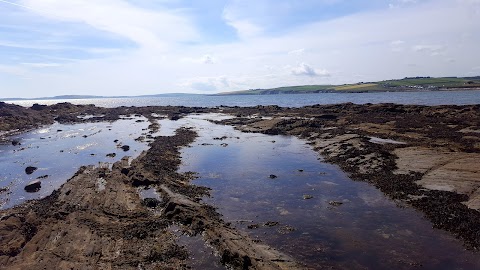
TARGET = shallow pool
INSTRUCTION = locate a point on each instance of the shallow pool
(280, 192)
(58, 151)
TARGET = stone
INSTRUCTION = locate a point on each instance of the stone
(30, 169)
(335, 203)
(33, 186)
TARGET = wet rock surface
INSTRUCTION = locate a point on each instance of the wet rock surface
(126, 232)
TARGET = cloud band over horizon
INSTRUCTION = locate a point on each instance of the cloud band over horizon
(120, 47)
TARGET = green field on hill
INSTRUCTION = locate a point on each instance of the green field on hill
(406, 84)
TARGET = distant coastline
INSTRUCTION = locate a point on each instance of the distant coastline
(408, 84)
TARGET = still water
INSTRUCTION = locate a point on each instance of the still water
(58, 151)
(310, 210)
(297, 100)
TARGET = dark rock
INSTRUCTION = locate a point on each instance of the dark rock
(125, 148)
(327, 117)
(335, 203)
(38, 107)
(33, 186)
(112, 155)
(30, 169)
(43, 176)
(16, 142)
(174, 117)
(125, 171)
(270, 224)
(140, 139)
(151, 202)
(272, 176)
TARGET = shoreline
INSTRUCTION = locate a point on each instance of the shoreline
(341, 133)
(405, 90)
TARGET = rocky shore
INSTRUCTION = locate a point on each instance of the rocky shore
(424, 157)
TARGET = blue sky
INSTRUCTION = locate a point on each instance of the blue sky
(133, 47)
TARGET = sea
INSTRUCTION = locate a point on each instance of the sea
(431, 98)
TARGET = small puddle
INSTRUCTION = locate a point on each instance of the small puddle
(201, 256)
(149, 193)
(58, 151)
(276, 189)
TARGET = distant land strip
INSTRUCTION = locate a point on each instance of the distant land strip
(406, 84)
(416, 84)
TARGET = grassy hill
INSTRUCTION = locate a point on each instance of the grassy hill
(406, 84)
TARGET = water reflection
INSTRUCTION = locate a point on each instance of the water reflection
(312, 210)
(58, 151)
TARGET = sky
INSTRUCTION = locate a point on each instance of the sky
(142, 47)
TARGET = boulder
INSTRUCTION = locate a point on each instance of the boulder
(33, 186)
(30, 169)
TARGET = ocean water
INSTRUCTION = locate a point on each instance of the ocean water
(298, 100)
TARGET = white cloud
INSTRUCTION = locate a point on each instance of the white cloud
(433, 50)
(144, 27)
(41, 65)
(306, 70)
(397, 42)
(397, 45)
(400, 3)
(207, 84)
(13, 70)
(297, 52)
(245, 28)
(205, 59)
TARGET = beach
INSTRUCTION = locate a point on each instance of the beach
(420, 157)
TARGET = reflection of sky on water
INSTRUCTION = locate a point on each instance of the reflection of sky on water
(59, 150)
(367, 230)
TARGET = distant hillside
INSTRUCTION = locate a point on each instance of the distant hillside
(406, 84)
(89, 96)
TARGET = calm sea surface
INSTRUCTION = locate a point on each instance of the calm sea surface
(298, 100)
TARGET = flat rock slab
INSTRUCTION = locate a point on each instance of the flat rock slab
(444, 170)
